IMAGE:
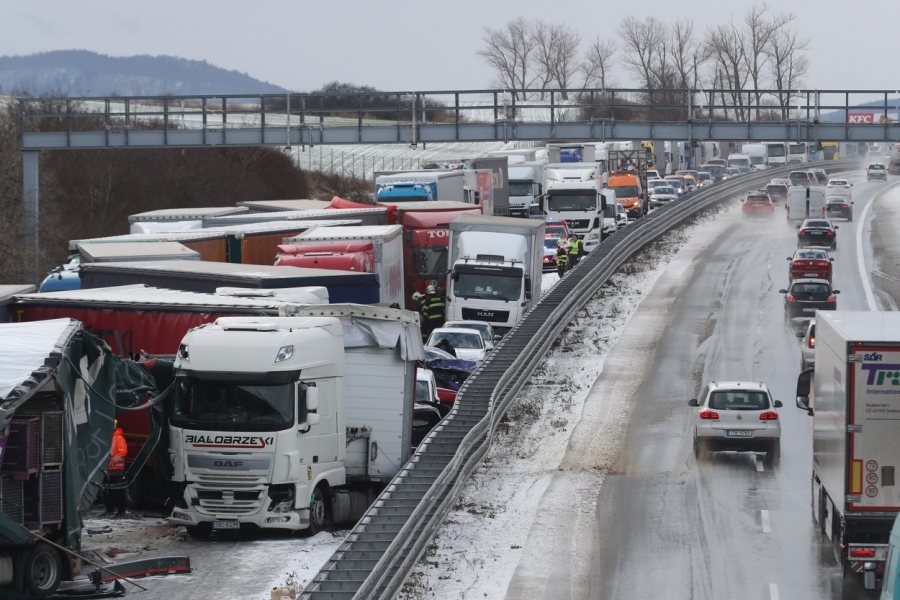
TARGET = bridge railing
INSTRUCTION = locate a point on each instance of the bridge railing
(455, 107)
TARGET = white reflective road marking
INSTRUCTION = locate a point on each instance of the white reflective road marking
(765, 521)
(773, 591)
(759, 464)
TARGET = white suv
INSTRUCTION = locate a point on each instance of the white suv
(739, 416)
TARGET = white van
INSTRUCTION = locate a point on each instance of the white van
(741, 161)
(796, 203)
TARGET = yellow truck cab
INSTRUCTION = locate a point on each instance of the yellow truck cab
(628, 193)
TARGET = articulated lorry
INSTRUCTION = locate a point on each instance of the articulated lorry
(426, 244)
(418, 186)
(290, 423)
(525, 187)
(495, 269)
(382, 248)
(853, 397)
(60, 388)
(572, 193)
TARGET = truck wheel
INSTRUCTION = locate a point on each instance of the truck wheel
(318, 504)
(43, 571)
(199, 532)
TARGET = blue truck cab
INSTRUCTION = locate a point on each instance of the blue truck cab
(406, 192)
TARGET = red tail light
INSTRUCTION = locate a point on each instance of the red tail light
(789, 298)
(802, 232)
(821, 263)
(862, 553)
(769, 415)
(709, 414)
(812, 342)
(830, 298)
(830, 233)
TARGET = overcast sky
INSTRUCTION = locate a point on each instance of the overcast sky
(424, 45)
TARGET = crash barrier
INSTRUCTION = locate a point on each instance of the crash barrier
(381, 551)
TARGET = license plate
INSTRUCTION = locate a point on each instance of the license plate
(810, 274)
(226, 525)
(815, 233)
(809, 310)
(739, 433)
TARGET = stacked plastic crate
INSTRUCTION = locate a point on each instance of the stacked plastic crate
(31, 476)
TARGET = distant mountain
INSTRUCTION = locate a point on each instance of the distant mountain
(84, 73)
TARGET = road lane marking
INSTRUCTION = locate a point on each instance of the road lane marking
(759, 464)
(860, 258)
(773, 591)
(765, 521)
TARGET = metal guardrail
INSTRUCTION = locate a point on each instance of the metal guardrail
(362, 569)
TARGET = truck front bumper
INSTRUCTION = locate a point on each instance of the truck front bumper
(295, 520)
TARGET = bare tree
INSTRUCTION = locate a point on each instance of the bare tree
(598, 60)
(508, 51)
(555, 54)
(788, 65)
(758, 32)
(643, 49)
(725, 45)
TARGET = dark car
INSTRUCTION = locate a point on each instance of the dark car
(821, 176)
(805, 296)
(837, 207)
(800, 178)
(817, 232)
(810, 263)
(777, 192)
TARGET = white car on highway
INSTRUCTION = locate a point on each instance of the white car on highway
(486, 329)
(737, 415)
(839, 187)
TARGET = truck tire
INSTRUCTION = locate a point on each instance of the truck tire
(318, 511)
(43, 571)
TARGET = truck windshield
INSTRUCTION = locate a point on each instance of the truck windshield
(625, 191)
(231, 406)
(756, 160)
(776, 151)
(738, 162)
(560, 201)
(431, 263)
(520, 188)
(798, 149)
(493, 286)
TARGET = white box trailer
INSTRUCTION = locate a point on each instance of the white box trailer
(129, 251)
(855, 406)
(178, 219)
(805, 203)
(387, 248)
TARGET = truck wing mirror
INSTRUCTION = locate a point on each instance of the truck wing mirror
(527, 287)
(312, 399)
(312, 419)
(804, 383)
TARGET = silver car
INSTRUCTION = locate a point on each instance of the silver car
(467, 343)
(486, 329)
(662, 195)
(808, 345)
(739, 416)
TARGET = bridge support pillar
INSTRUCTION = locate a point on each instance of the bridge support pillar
(31, 206)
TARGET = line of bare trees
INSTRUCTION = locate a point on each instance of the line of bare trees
(736, 59)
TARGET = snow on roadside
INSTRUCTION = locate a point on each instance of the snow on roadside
(479, 546)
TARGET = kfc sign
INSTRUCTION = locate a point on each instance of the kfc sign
(861, 118)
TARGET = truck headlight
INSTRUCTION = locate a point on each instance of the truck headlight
(183, 353)
(284, 353)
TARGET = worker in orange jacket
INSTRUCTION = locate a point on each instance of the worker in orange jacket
(115, 472)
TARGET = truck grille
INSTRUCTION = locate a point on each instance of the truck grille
(226, 480)
(578, 223)
(232, 502)
(485, 314)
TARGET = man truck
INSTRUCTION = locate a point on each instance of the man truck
(495, 269)
(853, 396)
(291, 422)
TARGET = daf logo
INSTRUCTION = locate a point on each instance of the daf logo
(228, 464)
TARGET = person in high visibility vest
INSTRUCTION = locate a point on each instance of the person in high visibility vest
(575, 251)
(115, 472)
(562, 258)
(432, 308)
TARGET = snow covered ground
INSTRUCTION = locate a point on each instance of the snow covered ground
(479, 546)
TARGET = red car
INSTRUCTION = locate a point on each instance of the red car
(810, 264)
(758, 205)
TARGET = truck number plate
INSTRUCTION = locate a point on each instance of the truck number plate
(739, 433)
(226, 525)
